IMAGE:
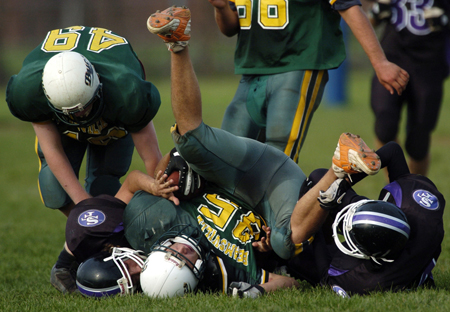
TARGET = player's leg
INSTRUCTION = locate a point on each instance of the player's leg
(105, 165)
(293, 97)
(387, 109)
(423, 112)
(236, 119)
(308, 216)
(173, 26)
(186, 97)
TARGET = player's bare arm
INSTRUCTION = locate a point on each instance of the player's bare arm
(146, 143)
(226, 18)
(137, 180)
(391, 76)
(50, 143)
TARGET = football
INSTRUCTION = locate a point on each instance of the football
(175, 176)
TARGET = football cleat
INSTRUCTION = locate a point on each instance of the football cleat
(173, 25)
(352, 155)
(63, 279)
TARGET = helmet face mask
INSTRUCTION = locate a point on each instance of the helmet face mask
(72, 87)
(107, 274)
(168, 272)
(372, 229)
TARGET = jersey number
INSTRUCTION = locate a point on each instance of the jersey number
(67, 39)
(272, 14)
(411, 14)
(220, 211)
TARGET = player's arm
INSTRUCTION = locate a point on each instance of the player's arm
(50, 142)
(146, 143)
(137, 180)
(226, 18)
(279, 281)
(391, 76)
(246, 290)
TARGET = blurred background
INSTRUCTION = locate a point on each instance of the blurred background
(24, 24)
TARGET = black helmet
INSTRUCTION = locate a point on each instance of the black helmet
(373, 229)
(106, 274)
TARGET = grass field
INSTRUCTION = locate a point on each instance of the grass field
(32, 236)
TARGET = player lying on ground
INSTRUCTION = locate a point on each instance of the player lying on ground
(390, 244)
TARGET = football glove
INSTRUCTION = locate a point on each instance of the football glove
(332, 197)
(245, 290)
(190, 183)
(436, 18)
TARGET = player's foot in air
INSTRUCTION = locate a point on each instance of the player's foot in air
(173, 25)
(352, 155)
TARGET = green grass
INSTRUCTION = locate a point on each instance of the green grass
(32, 236)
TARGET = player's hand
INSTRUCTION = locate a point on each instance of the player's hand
(163, 188)
(392, 77)
(263, 245)
(245, 290)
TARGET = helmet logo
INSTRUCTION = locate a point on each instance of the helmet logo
(187, 288)
(91, 218)
(88, 76)
(426, 199)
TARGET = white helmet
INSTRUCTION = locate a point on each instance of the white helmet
(166, 272)
(71, 84)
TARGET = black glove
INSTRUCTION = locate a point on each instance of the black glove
(436, 19)
(190, 183)
(245, 290)
(332, 197)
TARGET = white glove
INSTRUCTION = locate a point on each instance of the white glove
(332, 197)
(245, 290)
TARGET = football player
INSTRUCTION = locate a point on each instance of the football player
(415, 36)
(284, 50)
(257, 174)
(84, 91)
(136, 219)
(390, 244)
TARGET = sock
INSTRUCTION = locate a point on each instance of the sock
(65, 260)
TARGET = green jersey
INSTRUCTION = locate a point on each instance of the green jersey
(130, 101)
(285, 35)
(228, 224)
